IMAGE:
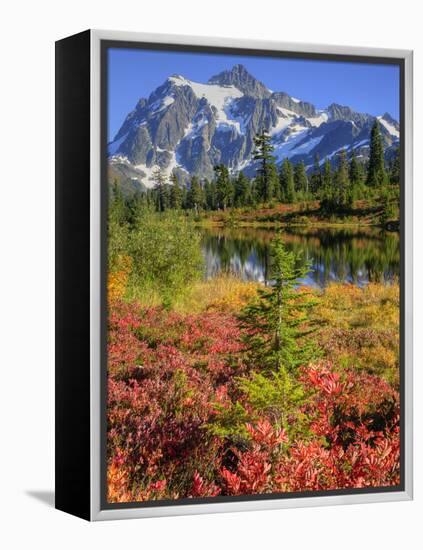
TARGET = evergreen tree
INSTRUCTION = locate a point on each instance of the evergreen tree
(276, 322)
(151, 198)
(175, 193)
(145, 202)
(161, 189)
(117, 209)
(376, 174)
(195, 196)
(184, 190)
(327, 176)
(356, 175)
(255, 196)
(316, 176)
(133, 206)
(266, 170)
(224, 187)
(395, 168)
(242, 191)
(210, 195)
(342, 182)
(356, 171)
(274, 188)
(389, 205)
(286, 179)
(326, 195)
(300, 178)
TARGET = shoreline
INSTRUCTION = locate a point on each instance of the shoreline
(306, 215)
(205, 224)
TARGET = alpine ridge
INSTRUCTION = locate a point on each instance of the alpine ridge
(187, 127)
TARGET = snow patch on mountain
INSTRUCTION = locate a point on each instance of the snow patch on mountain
(318, 120)
(286, 149)
(161, 104)
(219, 97)
(119, 159)
(361, 143)
(148, 179)
(390, 127)
(334, 153)
(307, 146)
(284, 120)
(192, 130)
(149, 172)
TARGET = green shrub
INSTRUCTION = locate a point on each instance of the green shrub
(165, 252)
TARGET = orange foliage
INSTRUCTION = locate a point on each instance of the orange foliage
(117, 280)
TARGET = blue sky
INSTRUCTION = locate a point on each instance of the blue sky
(135, 73)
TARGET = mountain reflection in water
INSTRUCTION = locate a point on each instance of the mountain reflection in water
(354, 255)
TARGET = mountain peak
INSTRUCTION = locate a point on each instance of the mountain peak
(386, 116)
(339, 111)
(390, 124)
(346, 114)
(237, 70)
(241, 70)
(184, 126)
(178, 79)
(239, 77)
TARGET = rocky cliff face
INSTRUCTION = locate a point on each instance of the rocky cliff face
(188, 127)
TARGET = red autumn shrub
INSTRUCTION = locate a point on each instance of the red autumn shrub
(355, 440)
(167, 374)
(201, 488)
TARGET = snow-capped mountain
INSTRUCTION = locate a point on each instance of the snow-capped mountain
(188, 127)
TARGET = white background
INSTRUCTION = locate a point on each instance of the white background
(28, 32)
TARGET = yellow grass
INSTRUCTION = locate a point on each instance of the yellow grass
(373, 306)
(223, 293)
(359, 326)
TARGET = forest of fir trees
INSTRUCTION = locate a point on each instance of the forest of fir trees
(335, 187)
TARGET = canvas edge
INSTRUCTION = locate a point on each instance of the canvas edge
(72, 277)
(97, 514)
(408, 251)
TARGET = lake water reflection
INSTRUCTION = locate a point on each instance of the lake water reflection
(348, 255)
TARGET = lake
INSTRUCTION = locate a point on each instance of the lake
(354, 255)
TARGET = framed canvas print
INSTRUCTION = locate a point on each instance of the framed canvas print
(233, 275)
